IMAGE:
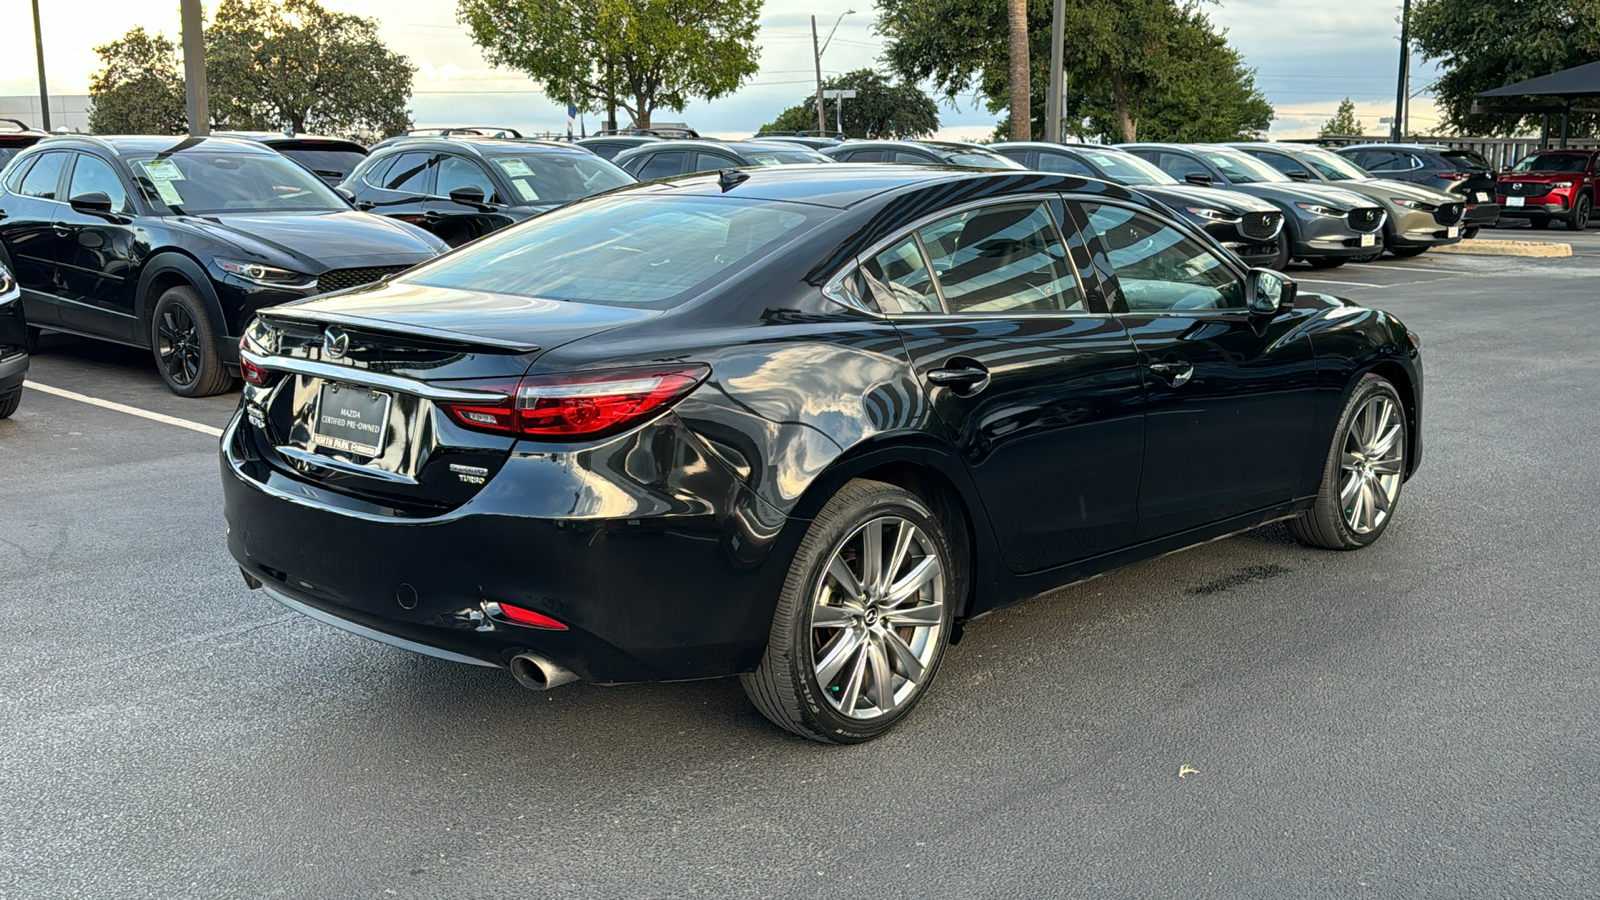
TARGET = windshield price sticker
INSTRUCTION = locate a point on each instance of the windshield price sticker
(161, 170)
(515, 167)
(169, 193)
(525, 189)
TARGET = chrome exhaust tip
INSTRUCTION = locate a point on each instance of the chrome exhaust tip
(537, 673)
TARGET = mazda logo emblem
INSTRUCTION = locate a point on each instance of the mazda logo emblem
(335, 343)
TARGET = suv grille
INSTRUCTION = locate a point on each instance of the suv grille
(1261, 226)
(1449, 213)
(1524, 188)
(1366, 218)
(339, 279)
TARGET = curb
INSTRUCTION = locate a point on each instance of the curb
(1506, 248)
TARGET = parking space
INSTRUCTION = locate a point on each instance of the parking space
(1415, 719)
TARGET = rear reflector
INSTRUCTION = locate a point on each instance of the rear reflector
(580, 405)
(250, 372)
(528, 617)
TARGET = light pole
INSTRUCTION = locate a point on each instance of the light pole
(44, 92)
(1397, 127)
(1052, 103)
(822, 123)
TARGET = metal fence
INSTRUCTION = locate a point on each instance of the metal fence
(1501, 153)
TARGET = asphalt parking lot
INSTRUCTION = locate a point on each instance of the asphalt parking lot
(1413, 720)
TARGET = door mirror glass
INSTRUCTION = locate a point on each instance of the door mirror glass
(472, 195)
(1298, 175)
(94, 204)
(345, 193)
(1269, 291)
(1199, 178)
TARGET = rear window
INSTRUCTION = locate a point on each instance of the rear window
(623, 251)
(326, 163)
(1466, 159)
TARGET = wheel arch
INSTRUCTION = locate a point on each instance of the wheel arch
(169, 269)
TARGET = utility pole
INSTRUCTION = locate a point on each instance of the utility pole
(44, 92)
(816, 53)
(1052, 103)
(1397, 125)
(194, 69)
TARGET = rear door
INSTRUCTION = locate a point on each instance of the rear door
(400, 189)
(1229, 395)
(1035, 387)
(27, 217)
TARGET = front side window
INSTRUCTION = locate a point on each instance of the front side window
(456, 173)
(1158, 268)
(1180, 166)
(42, 179)
(92, 175)
(1002, 259)
(558, 177)
(659, 165)
(1061, 162)
(204, 182)
(1241, 168)
(711, 162)
(1284, 164)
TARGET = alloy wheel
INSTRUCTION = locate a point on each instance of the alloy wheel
(1372, 464)
(178, 345)
(876, 618)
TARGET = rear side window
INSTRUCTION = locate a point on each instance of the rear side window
(411, 173)
(1061, 162)
(906, 156)
(861, 156)
(624, 251)
(42, 179)
(899, 282)
(91, 175)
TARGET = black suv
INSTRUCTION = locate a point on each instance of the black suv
(333, 159)
(13, 344)
(1461, 172)
(174, 243)
(922, 153)
(664, 159)
(608, 146)
(462, 187)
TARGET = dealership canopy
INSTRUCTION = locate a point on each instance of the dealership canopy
(1568, 84)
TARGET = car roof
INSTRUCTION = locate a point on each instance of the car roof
(1387, 146)
(847, 184)
(478, 144)
(121, 144)
(273, 138)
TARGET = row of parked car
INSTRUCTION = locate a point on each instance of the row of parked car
(174, 245)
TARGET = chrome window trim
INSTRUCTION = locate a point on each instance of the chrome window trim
(367, 378)
(834, 287)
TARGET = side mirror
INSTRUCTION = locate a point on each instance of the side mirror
(346, 193)
(1299, 176)
(1269, 292)
(470, 195)
(94, 204)
(1199, 178)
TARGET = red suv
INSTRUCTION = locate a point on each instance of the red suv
(1550, 184)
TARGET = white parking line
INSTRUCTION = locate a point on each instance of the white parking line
(1345, 283)
(130, 410)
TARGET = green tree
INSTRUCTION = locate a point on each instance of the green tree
(1136, 69)
(1344, 120)
(139, 90)
(881, 109)
(642, 55)
(1485, 44)
(294, 64)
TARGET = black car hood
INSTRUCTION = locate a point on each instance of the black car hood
(314, 243)
(499, 320)
(1181, 195)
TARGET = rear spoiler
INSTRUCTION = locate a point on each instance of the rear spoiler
(500, 345)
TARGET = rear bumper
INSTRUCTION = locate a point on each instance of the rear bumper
(668, 580)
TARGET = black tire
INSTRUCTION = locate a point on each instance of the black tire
(1325, 524)
(1281, 261)
(1408, 252)
(1578, 219)
(184, 342)
(31, 340)
(1470, 233)
(785, 686)
(1327, 262)
(9, 403)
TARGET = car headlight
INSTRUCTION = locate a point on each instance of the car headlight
(268, 276)
(1317, 209)
(8, 284)
(1562, 184)
(1413, 204)
(1215, 215)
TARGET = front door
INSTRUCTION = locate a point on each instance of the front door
(97, 261)
(1229, 394)
(454, 221)
(1039, 394)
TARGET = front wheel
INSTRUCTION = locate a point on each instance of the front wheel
(1327, 262)
(1281, 261)
(183, 340)
(863, 618)
(1364, 472)
(1408, 252)
(1470, 233)
(9, 403)
(1578, 219)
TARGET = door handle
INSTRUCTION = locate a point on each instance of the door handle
(365, 205)
(61, 230)
(964, 377)
(1175, 373)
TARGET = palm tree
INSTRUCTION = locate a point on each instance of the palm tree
(1021, 90)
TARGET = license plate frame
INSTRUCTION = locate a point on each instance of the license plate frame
(1483, 197)
(1454, 231)
(350, 421)
(1369, 240)
(1515, 201)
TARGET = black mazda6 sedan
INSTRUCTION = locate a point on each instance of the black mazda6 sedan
(798, 425)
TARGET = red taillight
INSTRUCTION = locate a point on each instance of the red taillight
(1453, 176)
(528, 617)
(252, 373)
(582, 404)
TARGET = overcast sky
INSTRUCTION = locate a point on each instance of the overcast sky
(1308, 54)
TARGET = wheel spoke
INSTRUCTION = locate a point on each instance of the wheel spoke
(852, 688)
(1347, 491)
(925, 571)
(1388, 466)
(909, 665)
(1380, 496)
(925, 616)
(872, 556)
(902, 548)
(882, 694)
(839, 652)
(841, 574)
(828, 616)
(1383, 412)
(1387, 442)
(1349, 461)
(1367, 506)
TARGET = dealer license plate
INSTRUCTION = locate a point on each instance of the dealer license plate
(1483, 197)
(1514, 201)
(1369, 240)
(1455, 231)
(351, 419)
